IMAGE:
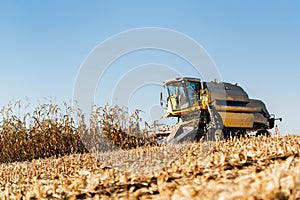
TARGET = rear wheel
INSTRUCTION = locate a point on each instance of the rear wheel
(263, 132)
(236, 133)
(241, 133)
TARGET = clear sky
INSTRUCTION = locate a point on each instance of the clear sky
(254, 43)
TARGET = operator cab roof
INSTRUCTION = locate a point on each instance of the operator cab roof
(179, 79)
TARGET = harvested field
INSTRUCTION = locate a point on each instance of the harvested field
(249, 168)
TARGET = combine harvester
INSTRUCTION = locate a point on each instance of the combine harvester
(212, 111)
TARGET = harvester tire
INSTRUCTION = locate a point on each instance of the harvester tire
(263, 132)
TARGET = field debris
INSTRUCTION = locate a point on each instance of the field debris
(247, 168)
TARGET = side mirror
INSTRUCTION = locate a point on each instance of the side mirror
(280, 119)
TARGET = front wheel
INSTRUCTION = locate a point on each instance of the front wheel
(215, 134)
(200, 133)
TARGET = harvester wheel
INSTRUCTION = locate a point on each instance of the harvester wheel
(236, 133)
(214, 129)
(263, 132)
(241, 133)
(215, 135)
(200, 133)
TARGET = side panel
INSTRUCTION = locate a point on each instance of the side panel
(240, 120)
(259, 118)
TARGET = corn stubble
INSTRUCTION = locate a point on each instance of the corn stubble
(246, 168)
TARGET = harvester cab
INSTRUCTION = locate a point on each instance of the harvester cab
(183, 96)
(213, 111)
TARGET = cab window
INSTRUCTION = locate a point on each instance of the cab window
(193, 90)
(177, 96)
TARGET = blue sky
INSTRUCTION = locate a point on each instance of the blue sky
(254, 43)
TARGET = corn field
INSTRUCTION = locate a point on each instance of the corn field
(53, 131)
(49, 154)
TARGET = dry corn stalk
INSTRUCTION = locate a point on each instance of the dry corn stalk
(51, 131)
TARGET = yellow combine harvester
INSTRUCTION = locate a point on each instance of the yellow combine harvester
(213, 110)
